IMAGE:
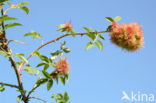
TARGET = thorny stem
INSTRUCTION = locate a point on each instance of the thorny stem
(10, 85)
(51, 41)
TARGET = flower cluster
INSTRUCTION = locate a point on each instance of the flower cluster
(62, 66)
(127, 36)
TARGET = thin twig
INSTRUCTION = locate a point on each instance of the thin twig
(32, 90)
(17, 42)
(64, 35)
(38, 99)
(10, 85)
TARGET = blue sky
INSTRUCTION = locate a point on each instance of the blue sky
(95, 76)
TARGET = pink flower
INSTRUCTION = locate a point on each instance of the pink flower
(127, 36)
(62, 66)
(68, 26)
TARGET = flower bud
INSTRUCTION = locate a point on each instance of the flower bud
(68, 26)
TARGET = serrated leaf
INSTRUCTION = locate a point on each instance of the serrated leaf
(110, 19)
(6, 18)
(89, 45)
(99, 44)
(49, 84)
(66, 50)
(118, 18)
(12, 25)
(46, 74)
(25, 9)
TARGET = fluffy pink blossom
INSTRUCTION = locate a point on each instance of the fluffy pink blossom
(127, 36)
(62, 66)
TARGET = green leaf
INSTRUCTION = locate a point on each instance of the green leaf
(118, 18)
(9, 3)
(44, 58)
(110, 19)
(100, 36)
(18, 98)
(41, 64)
(19, 54)
(72, 32)
(25, 9)
(12, 25)
(33, 34)
(66, 98)
(92, 36)
(46, 66)
(23, 58)
(62, 79)
(88, 29)
(61, 27)
(1, 1)
(109, 28)
(2, 88)
(99, 44)
(30, 70)
(41, 81)
(6, 18)
(46, 74)
(89, 45)
(56, 53)
(23, 3)
(66, 50)
(2, 53)
(49, 84)
(59, 97)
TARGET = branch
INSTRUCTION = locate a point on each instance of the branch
(13, 63)
(51, 41)
(32, 90)
(38, 99)
(10, 85)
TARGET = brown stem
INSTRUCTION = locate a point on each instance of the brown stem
(13, 63)
(38, 99)
(10, 85)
